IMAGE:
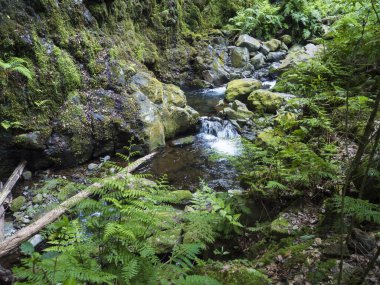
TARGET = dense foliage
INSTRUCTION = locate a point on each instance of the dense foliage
(320, 149)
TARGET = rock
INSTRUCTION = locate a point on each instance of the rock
(286, 39)
(183, 141)
(92, 166)
(360, 241)
(181, 196)
(36, 240)
(17, 203)
(332, 250)
(34, 140)
(25, 220)
(27, 175)
(239, 57)
(273, 45)
(264, 50)
(38, 199)
(241, 88)
(237, 111)
(296, 55)
(276, 56)
(258, 61)
(280, 227)
(106, 158)
(246, 41)
(264, 101)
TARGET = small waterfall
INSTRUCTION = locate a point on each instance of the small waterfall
(219, 128)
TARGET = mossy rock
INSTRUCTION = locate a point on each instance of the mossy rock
(240, 89)
(273, 45)
(181, 196)
(287, 39)
(149, 85)
(175, 95)
(18, 203)
(269, 137)
(233, 273)
(264, 101)
(280, 227)
(286, 119)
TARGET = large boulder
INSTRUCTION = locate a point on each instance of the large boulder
(298, 54)
(239, 57)
(240, 89)
(265, 101)
(248, 42)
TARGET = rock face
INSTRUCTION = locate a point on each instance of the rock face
(239, 57)
(246, 41)
(241, 88)
(264, 101)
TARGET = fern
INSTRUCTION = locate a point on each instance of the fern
(360, 209)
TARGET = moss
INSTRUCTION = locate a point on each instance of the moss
(280, 227)
(70, 74)
(235, 272)
(240, 89)
(319, 274)
(293, 253)
(18, 203)
(180, 196)
(264, 101)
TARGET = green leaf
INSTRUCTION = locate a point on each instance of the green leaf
(70, 281)
(27, 248)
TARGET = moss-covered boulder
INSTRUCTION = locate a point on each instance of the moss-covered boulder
(273, 45)
(280, 227)
(18, 203)
(264, 101)
(240, 89)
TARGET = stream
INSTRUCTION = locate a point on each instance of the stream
(205, 158)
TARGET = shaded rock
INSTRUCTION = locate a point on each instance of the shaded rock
(276, 56)
(36, 240)
(241, 88)
(264, 50)
(33, 140)
(258, 61)
(362, 242)
(246, 41)
(92, 166)
(27, 175)
(332, 250)
(183, 141)
(264, 101)
(239, 57)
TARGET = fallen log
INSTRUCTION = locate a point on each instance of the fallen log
(26, 233)
(5, 190)
(11, 182)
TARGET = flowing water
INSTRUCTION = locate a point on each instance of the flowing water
(204, 159)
